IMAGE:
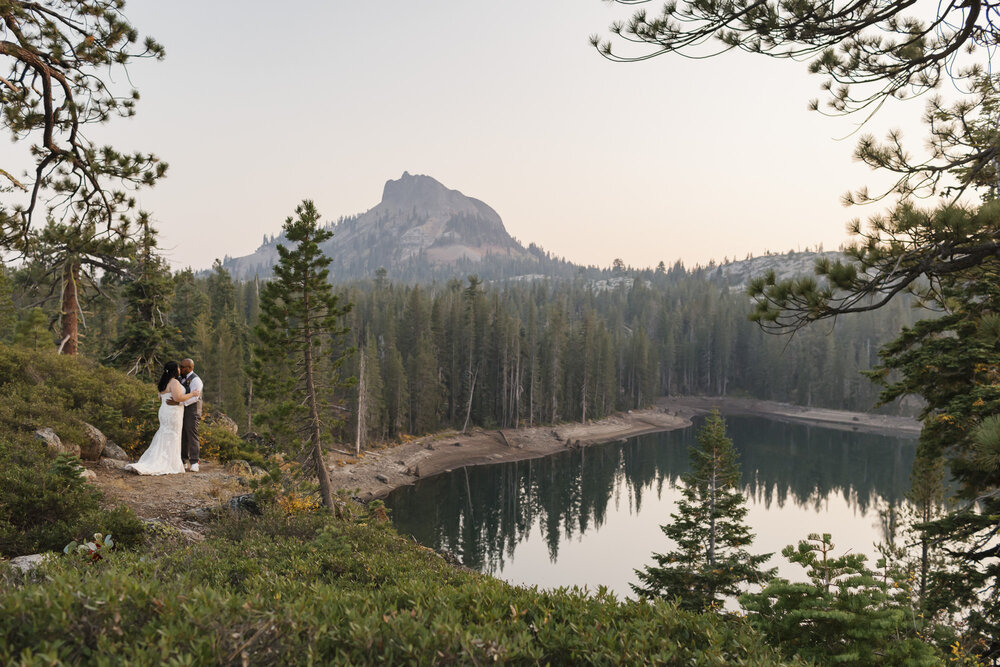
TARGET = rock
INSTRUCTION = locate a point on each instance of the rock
(245, 503)
(93, 445)
(199, 514)
(54, 445)
(239, 467)
(221, 420)
(113, 451)
(29, 563)
(88, 475)
(257, 471)
(382, 478)
(160, 529)
(112, 464)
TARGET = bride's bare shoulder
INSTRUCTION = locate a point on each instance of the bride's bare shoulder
(174, 382)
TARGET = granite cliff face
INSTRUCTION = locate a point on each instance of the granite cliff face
(419, 222)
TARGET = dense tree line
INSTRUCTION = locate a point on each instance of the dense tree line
(468, 353)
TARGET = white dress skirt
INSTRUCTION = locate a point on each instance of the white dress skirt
(163, 456)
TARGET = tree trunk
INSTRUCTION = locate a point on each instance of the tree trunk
(325, 490)
(361, 404)
(70, 333)
(250, 405)
(468, 409)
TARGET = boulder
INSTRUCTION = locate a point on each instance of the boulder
(245, 503)
(29, 563)
(88, 475)
(221, 420)
(93, 444)
(113, 451)
(54, 445)
(113, 464)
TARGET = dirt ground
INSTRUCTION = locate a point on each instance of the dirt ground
(173, 499)
(176, 498)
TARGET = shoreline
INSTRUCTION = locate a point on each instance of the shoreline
(378, 472)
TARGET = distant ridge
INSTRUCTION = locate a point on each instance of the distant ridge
(420, 226)
(737, 274)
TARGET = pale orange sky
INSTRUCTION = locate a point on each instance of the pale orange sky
(258, 106)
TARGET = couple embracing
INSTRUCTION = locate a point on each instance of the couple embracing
(176, 441)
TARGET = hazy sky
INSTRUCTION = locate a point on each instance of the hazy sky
(259, 105)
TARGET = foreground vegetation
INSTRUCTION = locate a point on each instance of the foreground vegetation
(307, 588)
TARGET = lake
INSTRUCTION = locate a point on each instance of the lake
(589, 517)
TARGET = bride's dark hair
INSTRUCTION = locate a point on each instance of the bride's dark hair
(170, 371)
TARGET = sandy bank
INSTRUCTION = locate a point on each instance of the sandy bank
(378, 472)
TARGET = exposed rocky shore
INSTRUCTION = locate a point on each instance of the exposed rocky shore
(376, 473)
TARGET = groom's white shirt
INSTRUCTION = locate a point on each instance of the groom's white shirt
(196, 385)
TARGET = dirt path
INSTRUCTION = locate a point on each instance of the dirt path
(169, 498)
(377, 472)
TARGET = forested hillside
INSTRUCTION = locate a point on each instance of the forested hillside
(502, 354)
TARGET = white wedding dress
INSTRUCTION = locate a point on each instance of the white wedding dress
(163, 456)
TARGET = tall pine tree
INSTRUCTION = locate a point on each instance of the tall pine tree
(146, 341)
(299, 327)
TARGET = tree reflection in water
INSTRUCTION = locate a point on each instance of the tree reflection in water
(483, 513)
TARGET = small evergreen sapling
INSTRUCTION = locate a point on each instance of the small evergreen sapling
(846, 614)
(710, 560)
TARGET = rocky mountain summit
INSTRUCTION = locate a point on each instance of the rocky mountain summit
(419, 223)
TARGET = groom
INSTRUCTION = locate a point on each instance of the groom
(190, 444)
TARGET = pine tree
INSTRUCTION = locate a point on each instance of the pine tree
(33, 331)
(846, 614)
(397, 396)
(708, 529)
(300, 324)
(63, 62)
(145, 341)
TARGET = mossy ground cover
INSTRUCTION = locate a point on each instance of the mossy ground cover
(311, 589)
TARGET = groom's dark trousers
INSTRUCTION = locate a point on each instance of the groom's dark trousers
(190, 444)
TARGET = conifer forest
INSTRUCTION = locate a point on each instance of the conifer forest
(500, 355)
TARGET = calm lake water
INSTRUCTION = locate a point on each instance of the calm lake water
(589, 517)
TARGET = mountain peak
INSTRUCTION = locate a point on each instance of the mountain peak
(426, 194)
(418, 220)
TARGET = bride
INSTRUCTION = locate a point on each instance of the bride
(163, 456)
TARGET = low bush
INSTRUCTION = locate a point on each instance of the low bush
(310, 589)
(44, 503)
(41, 389)
(222, 445)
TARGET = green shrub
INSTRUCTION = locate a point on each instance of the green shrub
(62, 392)
(222, 445)
(315, 590)
(44, 503)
